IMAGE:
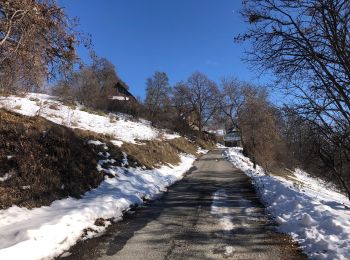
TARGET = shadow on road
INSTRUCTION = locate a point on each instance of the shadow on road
(181, 225)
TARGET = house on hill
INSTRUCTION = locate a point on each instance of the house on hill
(121, 100)
(121, 93)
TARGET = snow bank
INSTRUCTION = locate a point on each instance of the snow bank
(120, 127)
(314, 214)
(46, 232)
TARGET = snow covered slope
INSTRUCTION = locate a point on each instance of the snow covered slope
(48, 231)
(121, 128)
(313, 213)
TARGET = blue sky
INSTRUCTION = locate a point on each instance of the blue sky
(178, 37)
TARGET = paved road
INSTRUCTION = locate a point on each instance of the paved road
(213, 213)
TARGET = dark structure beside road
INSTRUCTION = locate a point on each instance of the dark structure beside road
(233, 138)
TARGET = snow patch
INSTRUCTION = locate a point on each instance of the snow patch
(229, 250)
(314, 214)
(120, 127)
(49, 231)
(117, 143)
(7, 176)
(95, 142)
(171, 136)
(200, 150)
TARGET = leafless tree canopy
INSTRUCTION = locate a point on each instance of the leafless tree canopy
(258, 124)
(232, 100)
(158, 93)
(92, 85)
(200, 97)
(306, 43)
(36, 42)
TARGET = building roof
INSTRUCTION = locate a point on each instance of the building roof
(122, 92)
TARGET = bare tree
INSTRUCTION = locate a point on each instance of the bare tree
(158, 93)
(258, 123)
(232, 100)
(306, 44)
(199, 97)
(92, 85)
(36, 41)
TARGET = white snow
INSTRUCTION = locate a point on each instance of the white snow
(7, 176)
(117, 143)
(171, 136)
(229, 250)
(46, 232)
(98, 143)
(121, 127)
(120, 98)
(220, 146)
(95, 142)
(312, 212)
(200, 150)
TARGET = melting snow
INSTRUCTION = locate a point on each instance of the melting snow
(47, 232)
(95, 142)
(229, 250)
(313, 213)
(7, 176)
(120, 127)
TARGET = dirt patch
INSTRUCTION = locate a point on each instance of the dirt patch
(41, 161)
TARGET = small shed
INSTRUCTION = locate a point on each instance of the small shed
(233, 138)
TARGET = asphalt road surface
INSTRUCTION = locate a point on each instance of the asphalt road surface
(213, 213)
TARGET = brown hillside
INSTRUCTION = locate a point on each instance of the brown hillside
(46, 161)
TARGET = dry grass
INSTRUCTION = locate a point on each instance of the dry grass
(155, 153)
(286, 174)
(184, 146)
(152, 153)
(49, 161)
(95, 112)
(209, 145)
(54, 106)
(53, 160)
(7, 93)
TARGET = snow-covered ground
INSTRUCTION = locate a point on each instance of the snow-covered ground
(46, 232)
(312, 212)
(120, 127)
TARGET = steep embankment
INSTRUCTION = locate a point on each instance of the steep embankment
(97, 165)
(41, 161)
